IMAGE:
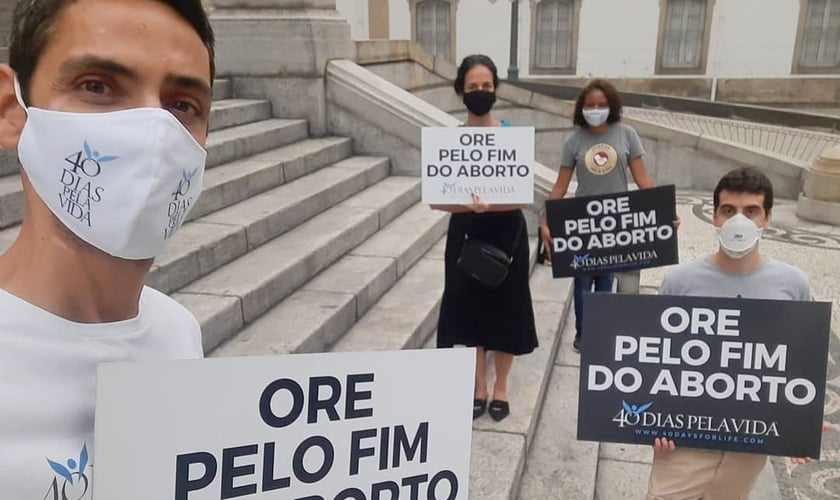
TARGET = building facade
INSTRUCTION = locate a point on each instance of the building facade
(619, 38)
(5, 27)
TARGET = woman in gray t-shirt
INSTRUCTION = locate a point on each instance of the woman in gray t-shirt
(600, 153)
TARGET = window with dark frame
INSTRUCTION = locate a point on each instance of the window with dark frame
(683, 34)
(434, 28)
(555, 34)
(819, 46)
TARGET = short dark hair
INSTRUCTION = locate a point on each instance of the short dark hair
(469, 63)
(32, 26)
(746, 180)
(613, 99)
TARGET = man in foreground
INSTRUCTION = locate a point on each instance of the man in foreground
(743, 203)
(107, 103)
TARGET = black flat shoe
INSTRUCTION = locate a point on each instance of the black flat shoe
(479, 407)
(499, 410)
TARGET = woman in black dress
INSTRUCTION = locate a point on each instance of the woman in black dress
(499, 319)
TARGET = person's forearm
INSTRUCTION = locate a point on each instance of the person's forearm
(640, 174)
(644, 181)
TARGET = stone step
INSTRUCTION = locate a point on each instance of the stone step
(324, 309)
(11, 201)
(223, 146)
(9, 163)
(560, 466)
(204, 245)
(237, 181)
(232, 112)
(407, 315)
(7, 237)
(209, 242)
(404, 317)
(243, 290)
(246, 140)
(223, 114)
(500, 448)
(222, 89)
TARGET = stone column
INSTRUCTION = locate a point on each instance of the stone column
(278, 50)
(820, 199)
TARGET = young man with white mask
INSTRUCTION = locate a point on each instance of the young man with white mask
(743, 203)
(107, 103)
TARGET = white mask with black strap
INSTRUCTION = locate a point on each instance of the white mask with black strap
(738, 236)
(122, 181)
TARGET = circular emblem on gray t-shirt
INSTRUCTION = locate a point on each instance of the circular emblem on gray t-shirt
(601, 159)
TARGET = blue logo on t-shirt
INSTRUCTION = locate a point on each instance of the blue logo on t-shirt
(71, 483)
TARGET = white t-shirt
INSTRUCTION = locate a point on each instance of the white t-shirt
(48, 387)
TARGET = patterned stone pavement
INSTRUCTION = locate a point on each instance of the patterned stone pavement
(797, 144)
(814, 248)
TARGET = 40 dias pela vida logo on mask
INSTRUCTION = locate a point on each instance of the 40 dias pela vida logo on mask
(79, 191)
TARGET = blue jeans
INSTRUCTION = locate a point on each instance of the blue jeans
(602, 282)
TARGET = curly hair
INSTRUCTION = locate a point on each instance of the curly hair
(613, 99)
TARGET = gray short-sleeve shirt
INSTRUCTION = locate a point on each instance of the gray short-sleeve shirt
(774, 280)
(602, 161)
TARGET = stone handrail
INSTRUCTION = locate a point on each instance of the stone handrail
(702, 107)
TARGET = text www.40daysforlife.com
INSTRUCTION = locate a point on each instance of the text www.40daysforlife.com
(700, 436)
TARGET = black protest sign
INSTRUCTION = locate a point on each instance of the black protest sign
(613, 233)
(716, 373)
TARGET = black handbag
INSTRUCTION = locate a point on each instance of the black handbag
(486, 263)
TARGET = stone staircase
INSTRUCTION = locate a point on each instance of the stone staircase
(298, 245)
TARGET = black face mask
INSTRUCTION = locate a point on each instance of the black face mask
(479, 102)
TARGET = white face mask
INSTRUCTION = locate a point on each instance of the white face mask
(738, 236)
(596, 117)
(122, 181)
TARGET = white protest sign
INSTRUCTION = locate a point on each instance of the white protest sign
(355, 426)
(495, 163)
